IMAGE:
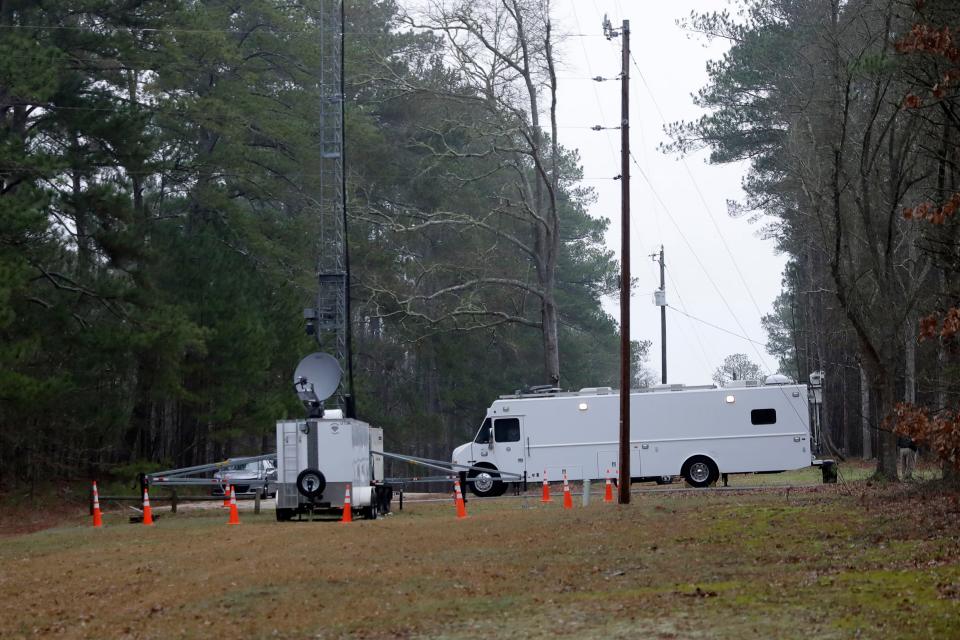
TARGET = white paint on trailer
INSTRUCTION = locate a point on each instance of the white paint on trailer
(343, 456)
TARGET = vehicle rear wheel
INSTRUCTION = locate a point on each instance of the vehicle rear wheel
(485, 483)
(284, 515)
(382, 495)
(700, 472)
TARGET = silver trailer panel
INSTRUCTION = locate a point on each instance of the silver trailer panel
(337, 448)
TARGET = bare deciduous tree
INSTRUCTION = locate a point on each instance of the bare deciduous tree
(494, 137)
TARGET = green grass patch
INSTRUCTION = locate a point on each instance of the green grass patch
(829, 561)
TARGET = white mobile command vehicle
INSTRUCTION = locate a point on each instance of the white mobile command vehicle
(694, 432)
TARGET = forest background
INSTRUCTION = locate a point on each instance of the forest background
(159, 233)
(158, 219)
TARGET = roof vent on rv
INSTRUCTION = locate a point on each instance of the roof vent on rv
(538, 389)
(777, 379)
(739, 384)
(600, 391)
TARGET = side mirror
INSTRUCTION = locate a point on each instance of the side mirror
(490, 444)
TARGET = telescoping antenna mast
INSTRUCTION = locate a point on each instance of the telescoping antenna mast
(328, 320)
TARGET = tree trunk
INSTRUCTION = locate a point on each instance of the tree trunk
(886, 395)
(866, 449)
(551, 340)
(910, 354)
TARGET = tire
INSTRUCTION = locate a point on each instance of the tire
(372, 512)
(700, 472)
(311, 483)
(486, 484)
(284, 515)
(385, 496)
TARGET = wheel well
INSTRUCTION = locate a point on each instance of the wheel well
(484, 465)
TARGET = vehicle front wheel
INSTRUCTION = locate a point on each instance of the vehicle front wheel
(700, 472)
(485, 483)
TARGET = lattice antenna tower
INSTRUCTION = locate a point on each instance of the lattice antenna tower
(329, 319)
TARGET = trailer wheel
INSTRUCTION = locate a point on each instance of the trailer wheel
(385, 496)
(284, 515)
(700, 472)
(371, 512)
(484, 483)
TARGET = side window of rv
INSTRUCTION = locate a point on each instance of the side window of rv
(763, 416)
(507, 430)
(483, 436)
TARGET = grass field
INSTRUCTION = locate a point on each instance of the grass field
(838, 561)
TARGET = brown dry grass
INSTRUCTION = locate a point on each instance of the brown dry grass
(827, 562)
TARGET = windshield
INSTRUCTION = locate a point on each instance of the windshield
(483, 436)
(249, 466)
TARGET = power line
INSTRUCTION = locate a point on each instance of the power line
(696, 187)
(105, 29)
(686, 241)
(676, 289)
(709, 215)
(717, 327)
(596, 94)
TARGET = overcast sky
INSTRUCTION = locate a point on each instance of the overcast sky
(705, 248)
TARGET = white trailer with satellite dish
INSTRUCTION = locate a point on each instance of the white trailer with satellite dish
(319, 456)
(698, 433)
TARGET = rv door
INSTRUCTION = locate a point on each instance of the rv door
(508, 442)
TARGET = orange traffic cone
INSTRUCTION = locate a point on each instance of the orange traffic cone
(608, 492)
(234, 513)
(226, 495)
(97, 516)
(458, 498)
(546, 489)
(347, 507)
(147, 512)
(567, 498)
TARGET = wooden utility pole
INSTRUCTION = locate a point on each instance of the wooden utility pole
(623, 484)
(661, 300)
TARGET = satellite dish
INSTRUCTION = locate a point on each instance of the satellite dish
(318, 373)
